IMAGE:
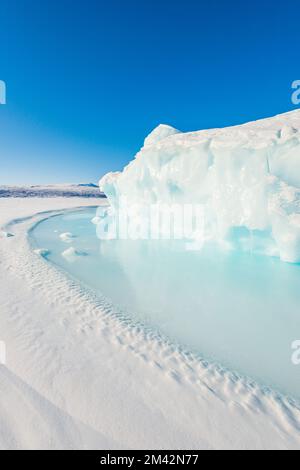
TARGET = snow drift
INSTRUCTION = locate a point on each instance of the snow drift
(247, 178)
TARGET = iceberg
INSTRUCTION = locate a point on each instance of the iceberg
(246, 178)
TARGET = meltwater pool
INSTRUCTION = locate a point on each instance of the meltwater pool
(239, 310)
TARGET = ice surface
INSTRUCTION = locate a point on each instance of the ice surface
(247, 178)
(160, 133)
(74, 330)
(238, 310)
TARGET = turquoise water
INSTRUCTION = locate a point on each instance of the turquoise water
(239, 310)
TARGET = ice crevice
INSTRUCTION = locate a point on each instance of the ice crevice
(246, 177)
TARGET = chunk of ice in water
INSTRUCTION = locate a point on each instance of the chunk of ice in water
(71, 254)
(67, 237)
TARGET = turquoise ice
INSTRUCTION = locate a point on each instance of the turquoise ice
(237, 309)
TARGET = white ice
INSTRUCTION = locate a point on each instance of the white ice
(4, 234)
(247, 179)
(66, 237)
(71, 254)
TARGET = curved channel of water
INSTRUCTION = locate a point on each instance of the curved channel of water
(240, 310)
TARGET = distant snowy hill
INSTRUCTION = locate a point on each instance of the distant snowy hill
(60, 190)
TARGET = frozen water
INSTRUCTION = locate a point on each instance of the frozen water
(247, 179)
(66, 237)
(239, 309)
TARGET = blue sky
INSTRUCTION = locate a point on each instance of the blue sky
(88, 80)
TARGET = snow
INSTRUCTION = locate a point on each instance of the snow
(4, 234)
(89, 190)
(246, 179)
(77, 377)
(160, 133)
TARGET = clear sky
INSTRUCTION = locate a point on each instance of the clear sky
(88, 80)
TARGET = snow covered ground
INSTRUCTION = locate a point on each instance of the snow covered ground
(78, 378)
(55, 190)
